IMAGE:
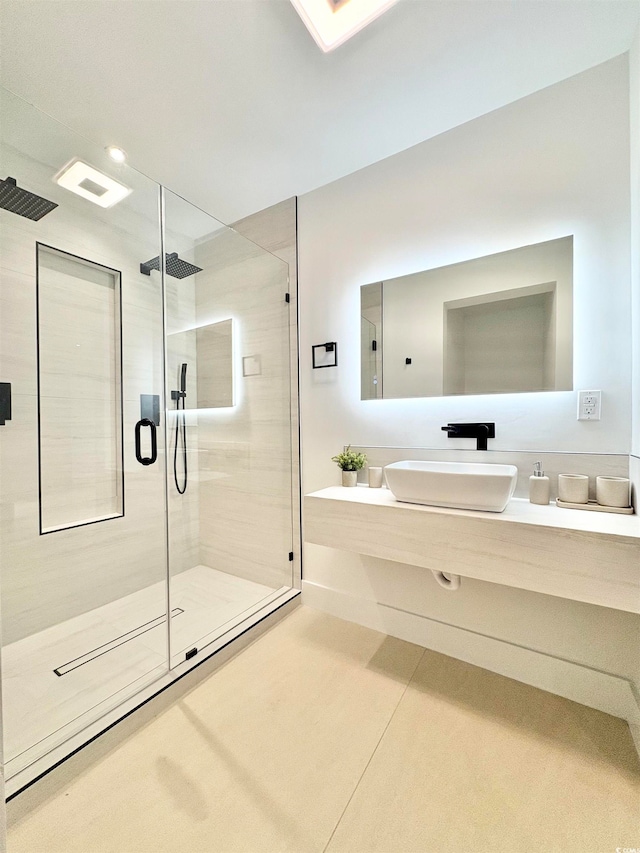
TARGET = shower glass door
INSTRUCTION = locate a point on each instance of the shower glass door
(83, 524)
(228, 430)
(145, 436)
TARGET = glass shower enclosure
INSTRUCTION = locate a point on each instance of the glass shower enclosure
(145, 437)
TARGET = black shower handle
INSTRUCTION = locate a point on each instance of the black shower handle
(147, 460)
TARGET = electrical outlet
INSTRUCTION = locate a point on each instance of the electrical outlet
(589, 405)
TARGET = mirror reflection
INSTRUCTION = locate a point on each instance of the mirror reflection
(208, 351)
(498, 324)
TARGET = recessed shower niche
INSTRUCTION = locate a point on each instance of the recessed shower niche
(492, 325)
(79, 391)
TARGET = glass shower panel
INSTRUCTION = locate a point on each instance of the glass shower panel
(228, 428)
(83, 521)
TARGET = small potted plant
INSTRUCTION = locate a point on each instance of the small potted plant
(350, 463)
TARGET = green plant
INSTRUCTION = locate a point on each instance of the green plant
(348, 460)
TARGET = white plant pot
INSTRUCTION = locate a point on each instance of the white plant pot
(349, 478)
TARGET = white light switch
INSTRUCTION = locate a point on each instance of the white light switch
(589, 405)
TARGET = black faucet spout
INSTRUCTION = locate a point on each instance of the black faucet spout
(480, 431)
(481, 438)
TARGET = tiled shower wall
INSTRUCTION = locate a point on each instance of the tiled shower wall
(244, 451)
(184, 521)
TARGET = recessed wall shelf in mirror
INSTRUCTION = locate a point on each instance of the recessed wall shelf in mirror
(214, 347)
(492, 325)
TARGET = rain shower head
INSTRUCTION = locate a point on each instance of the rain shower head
(172, 264)
(22, 202)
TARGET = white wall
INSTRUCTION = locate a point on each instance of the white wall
(555, 163)
(552, 164)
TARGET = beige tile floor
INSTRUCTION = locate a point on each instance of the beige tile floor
(324, 735)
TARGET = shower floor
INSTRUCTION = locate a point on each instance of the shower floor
(106, 654)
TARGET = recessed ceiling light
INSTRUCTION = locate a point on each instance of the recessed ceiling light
(116, 154)
(332, 22)
(87, 182)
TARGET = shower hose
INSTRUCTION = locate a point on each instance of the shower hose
(181, 438)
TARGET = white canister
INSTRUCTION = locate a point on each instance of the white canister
(573, 488)
(375, 478)
(613, 491)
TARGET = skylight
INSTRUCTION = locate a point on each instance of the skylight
(332, 22)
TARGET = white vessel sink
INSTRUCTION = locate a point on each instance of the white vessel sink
(460, 485)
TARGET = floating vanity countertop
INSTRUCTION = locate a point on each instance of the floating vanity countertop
(585, 556)
(518, 510)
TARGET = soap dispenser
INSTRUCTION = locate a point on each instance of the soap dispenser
(538, 486)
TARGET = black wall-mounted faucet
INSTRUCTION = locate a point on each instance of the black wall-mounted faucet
(481, 432)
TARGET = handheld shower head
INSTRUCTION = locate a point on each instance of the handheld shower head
(181, 431)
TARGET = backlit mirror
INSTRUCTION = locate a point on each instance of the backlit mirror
(208, 353)
(498, 324)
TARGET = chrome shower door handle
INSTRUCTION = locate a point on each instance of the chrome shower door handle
(147, 460)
